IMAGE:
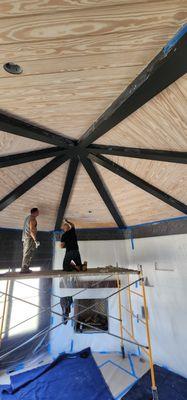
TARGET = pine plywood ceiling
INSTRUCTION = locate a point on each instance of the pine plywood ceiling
(77, 58)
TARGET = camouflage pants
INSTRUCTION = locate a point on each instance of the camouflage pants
(29, 248)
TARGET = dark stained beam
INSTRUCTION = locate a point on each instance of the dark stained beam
(169, 65)
(103, 191)
(20, 158)
(130, 177)
(72, 169)
(32, 181)
(13, 124)
(149, 154)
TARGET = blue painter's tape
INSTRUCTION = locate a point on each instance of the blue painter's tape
(71, 347)
(120, 367)
(132, 242)
(172, 42)
(116, 365)
(126, 228)
(107, 352)
(132, 366)
(104, 363)
(124, 392)
(136, 284)
(52, 320)
(139, 351)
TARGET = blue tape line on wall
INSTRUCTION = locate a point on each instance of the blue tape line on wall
(71, 347)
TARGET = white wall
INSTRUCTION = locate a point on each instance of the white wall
(167, 296)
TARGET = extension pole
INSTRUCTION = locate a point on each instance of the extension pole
(153, 381)
(4, 311)
(120, 317)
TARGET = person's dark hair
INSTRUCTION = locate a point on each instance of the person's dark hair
(33, 210)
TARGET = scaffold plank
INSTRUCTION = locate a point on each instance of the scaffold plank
(58, 273)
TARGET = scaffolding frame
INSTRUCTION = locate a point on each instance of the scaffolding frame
(110, 272)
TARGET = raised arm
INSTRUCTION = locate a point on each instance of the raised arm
(70, 223)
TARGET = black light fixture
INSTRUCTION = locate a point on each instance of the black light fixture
(12, 68)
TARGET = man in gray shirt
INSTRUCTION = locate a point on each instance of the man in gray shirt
(29, 240)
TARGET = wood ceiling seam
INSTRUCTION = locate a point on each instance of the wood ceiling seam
(77, 70)
(167, 33)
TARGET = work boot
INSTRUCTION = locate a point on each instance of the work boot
(25, 270)
(84, 266)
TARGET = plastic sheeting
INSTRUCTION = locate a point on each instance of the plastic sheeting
(71, 376)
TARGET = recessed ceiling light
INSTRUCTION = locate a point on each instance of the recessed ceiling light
(13, 68)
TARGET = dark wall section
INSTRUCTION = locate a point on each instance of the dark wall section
(11, 249)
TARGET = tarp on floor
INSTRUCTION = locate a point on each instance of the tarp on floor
(71, 376)
(170, 386)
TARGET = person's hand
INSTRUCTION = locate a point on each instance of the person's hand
(37, 244)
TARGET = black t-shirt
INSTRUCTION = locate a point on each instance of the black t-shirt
(70, 240)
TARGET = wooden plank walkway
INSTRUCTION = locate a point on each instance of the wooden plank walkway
(59, 273)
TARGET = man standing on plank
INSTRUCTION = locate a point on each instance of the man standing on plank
(72, 259)
(30, 243)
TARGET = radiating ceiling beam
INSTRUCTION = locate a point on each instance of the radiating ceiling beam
(21, 158)
(149, 154)
(72, 169)
(32, 181)
(103, 191)
(130, 177)
(13, 124)
(169, 65)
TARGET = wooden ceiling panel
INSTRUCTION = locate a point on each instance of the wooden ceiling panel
(10, 144)
(11, 177)
(168, 177)
(45, 195)
(159, 124)
(77, 57)
(11, 8)
(128, 43)
(135, 205)
(85, 198)
(92, 21)
(49, 103)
